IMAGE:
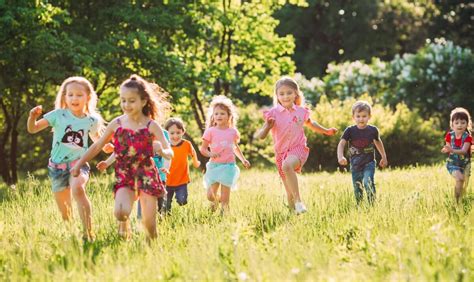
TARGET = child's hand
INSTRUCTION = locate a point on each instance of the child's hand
(102, 166)
(331, 131)
(447, 149)
(36, 111)
(246, 163)
(342, 161)
(75, 171)
(164, 170)
(383, 163)
(214, 155)
(197, 164)
(158, 147)
(108, 148)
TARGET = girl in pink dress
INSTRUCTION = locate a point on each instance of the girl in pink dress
(285, 121)
(133, 134)
(220, 144)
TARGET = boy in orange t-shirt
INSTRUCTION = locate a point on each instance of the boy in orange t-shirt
(178, 177)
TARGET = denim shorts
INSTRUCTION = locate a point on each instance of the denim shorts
(464, 170)
(60, 177)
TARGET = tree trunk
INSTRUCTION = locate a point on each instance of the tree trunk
(198, 111)
(201, 158)
(13, 152)
(4, 163)
(229, 53)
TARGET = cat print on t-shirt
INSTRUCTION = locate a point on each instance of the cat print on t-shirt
(73, 139)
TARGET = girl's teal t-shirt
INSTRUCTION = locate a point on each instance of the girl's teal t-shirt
(70, 134)
(159, 159)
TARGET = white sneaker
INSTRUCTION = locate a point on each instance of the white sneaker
(300, 208)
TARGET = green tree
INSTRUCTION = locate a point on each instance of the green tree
(35, 54)
(338, 31)
(193, 50)
(454, 22)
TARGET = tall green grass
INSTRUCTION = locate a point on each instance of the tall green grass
(414, 231)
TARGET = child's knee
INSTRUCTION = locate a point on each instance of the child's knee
(287, 167)
(122, 214)
(78, 192)
(459, 178)
(211, 196)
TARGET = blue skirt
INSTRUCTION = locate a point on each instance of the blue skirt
(224, 173)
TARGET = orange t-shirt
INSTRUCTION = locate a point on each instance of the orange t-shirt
(179, 170)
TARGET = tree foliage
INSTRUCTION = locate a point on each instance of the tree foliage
(193, 50)
(338, 31)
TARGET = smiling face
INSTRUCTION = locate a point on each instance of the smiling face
(459, 125)
(361, 118)
(176, 134)
(131, 102)
(286, 96)
(220, 117)
(76, 98)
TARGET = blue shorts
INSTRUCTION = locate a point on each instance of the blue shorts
(60, 176)
(224, 173)
(464, 170)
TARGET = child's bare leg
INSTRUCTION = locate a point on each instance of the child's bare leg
(63, 200)
(466, 183)
(289, 166)
(289, 194)
(467, 174)
(124, 199)
(149, 205)
(225, 197)
(212, 195)
(458, 188)
(78, 185)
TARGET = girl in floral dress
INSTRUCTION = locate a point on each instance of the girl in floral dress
(133, 134)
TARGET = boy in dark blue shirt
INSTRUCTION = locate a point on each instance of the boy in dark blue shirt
(362, 139)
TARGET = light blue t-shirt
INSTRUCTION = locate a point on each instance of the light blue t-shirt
(70, 138)
(159, 162)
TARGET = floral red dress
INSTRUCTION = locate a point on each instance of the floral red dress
(135, 168)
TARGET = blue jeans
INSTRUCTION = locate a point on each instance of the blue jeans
(364, 179)
(181, 193)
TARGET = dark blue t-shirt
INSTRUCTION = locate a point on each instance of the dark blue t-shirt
(361, 145)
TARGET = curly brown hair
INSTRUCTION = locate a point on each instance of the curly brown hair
(157, 106)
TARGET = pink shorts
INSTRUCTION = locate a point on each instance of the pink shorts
(301, 152)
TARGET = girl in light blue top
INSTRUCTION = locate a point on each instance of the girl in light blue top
(73, 120)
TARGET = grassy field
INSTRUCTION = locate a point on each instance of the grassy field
(413, 232)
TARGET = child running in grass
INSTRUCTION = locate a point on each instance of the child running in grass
(361, 138)
(162, 164)
(133, 134)
(178, 178)
(286, 120)
(220, 144)
(458, 147)
(73, 120)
